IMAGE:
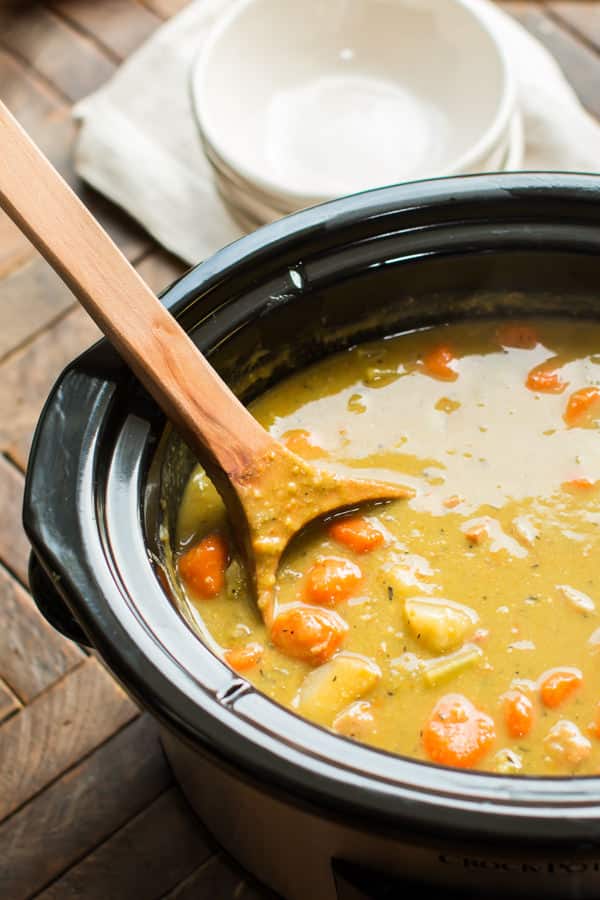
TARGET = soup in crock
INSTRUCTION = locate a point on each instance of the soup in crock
(460, 626)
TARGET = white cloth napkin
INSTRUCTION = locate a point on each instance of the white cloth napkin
(139, 146)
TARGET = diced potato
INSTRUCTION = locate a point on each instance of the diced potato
(507, 762)
(411, 575)
(565, 745)
(440, 625)
(444, 667)
(356, 721)
(327, 690)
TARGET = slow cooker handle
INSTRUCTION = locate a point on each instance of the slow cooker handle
(51, 605)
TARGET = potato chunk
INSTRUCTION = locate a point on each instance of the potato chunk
(356, 721)
(565, 745)
(411, 575)
(326, 691)
(440, 625)
(507, 762)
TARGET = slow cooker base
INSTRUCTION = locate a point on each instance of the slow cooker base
(301, 855)
(282, 795)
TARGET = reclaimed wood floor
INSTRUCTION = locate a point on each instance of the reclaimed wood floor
(88, 806)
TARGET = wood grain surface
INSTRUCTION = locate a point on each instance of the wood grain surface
(14, 546)
(56, 730)
(8, 702)
(117, 27)
(83, 808)
(88, 806)
(105, 873)
(69, 61)
(29, 373)
(32, 655)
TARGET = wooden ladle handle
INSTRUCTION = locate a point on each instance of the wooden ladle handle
(162, 356)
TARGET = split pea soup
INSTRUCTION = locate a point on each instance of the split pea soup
(459, 626)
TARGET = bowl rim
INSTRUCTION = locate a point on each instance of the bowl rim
(246, 212)
(71, 545)
(462, 164)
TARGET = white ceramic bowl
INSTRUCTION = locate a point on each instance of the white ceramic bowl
(251, 209)
(309, 100)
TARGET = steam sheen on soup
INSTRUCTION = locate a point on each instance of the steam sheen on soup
(461, 626)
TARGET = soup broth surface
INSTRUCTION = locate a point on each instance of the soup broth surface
(472, 609)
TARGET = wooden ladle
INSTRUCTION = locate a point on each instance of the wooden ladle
(269, 492)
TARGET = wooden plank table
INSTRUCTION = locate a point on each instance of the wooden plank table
(88, 806)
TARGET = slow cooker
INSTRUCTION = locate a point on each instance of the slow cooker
(310, 813)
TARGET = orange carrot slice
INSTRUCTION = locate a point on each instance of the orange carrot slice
(477, 534)
(594, 726)
(453, 501)
(357, 533)
(331, 580)
(558, 685)
(575, 485)
(518, 335)
(440, 362)
(580, 405)
(243, 658)
(302, 442)
(308, 633)
(519, 713)
(545, 379)
(203, 567)
(457, 733)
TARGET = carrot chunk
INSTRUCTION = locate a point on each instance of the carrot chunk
(302, 442)
(580, 405)
(574, 485)
(477, 534)
(203, 567)
(594, 726)
(243, 658)
(545, 379)
(308, 633)
(518, 335)
(440, 362)
(331, 580)
(357, 533)
(457, 733)
(558, 685)
(453, 501)
(518, 713)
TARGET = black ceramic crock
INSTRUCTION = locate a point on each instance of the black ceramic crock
(311, 813)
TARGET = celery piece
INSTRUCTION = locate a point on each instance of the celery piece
(443, 667)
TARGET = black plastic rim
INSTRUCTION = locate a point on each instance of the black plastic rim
(87, 475)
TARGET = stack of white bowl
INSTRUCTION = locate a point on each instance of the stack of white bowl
(300, 102)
